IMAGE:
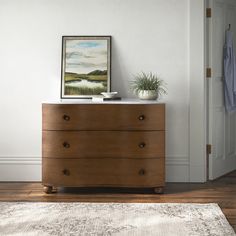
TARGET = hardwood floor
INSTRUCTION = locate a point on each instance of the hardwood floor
(221, 191)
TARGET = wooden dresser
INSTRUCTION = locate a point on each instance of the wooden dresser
(118, 144)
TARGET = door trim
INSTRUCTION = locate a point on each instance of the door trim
(197, 93)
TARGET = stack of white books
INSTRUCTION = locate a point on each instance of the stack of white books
(102, 98)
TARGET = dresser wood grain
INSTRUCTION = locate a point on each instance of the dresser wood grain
(107, 145)
(103, 117)
(93, 144)
(104, 172)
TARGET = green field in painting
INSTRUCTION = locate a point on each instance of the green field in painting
(84, 90)
(70, 77)
(96, 76)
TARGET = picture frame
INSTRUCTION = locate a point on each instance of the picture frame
(85, 66)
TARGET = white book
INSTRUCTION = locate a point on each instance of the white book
(101, 99)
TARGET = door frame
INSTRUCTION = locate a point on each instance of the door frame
(197, 91)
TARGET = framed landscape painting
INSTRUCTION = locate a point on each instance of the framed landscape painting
(86, 66)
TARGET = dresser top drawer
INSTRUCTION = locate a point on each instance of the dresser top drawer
(103, 117)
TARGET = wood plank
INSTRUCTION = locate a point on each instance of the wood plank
(223, 189)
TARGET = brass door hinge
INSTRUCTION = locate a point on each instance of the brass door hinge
(208, 149)
(208, 12)
(208, 72)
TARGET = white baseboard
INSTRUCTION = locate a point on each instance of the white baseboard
(29, 169)
(20, 169)
(177, 169)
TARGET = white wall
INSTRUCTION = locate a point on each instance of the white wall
(148, 35)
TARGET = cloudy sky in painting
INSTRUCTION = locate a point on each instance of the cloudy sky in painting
(84, 56)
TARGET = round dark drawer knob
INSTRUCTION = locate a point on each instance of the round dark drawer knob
(142, 145)
(141, 117)
(66, 118)
(66, 172)
(141, 172)
(66, 145)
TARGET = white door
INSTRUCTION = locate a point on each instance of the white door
(221, 125)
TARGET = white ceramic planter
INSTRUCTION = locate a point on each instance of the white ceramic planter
(147, 94)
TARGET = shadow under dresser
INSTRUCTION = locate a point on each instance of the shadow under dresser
(108, 144)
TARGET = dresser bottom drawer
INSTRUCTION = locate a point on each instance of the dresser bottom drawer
(104, 172)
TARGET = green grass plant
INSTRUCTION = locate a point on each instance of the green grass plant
(148, 81)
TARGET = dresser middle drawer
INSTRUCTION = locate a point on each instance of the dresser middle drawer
(93, 144)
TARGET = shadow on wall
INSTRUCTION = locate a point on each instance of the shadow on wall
(119, 72)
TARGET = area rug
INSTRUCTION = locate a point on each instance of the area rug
(133, 219)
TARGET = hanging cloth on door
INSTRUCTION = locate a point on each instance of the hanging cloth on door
(229, 73)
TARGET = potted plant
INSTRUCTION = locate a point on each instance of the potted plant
(148, 86)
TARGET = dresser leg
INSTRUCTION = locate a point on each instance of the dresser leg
(159, 190)
(47, 189)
